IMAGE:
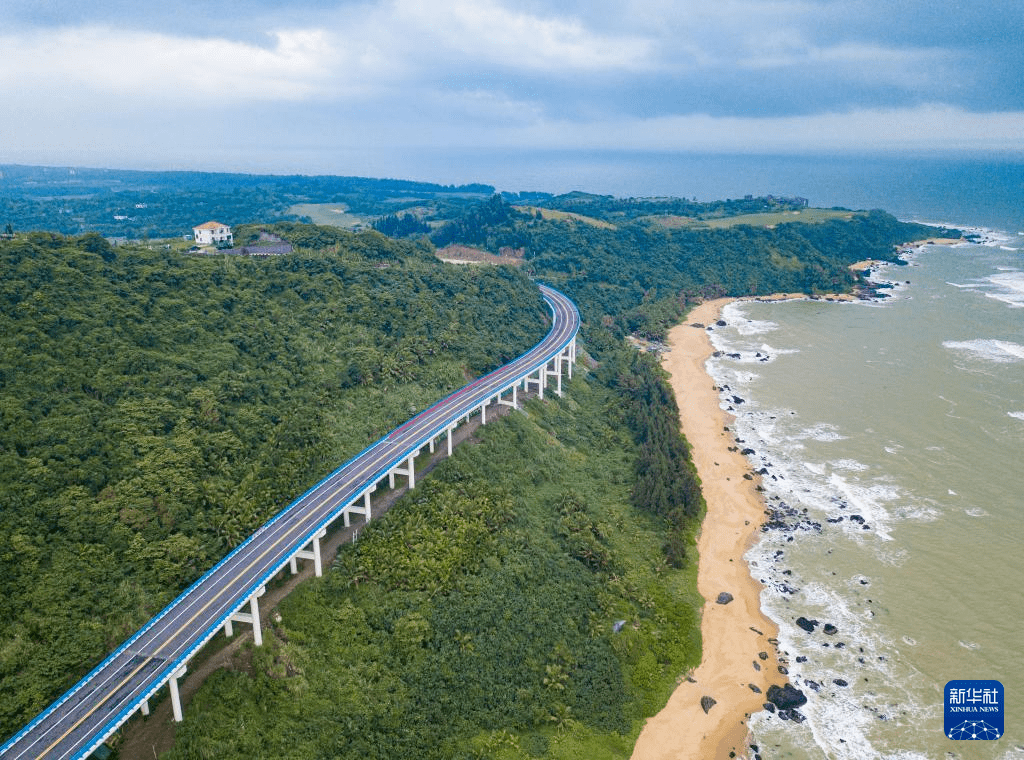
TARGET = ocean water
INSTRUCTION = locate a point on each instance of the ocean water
(892, 440)
(976, 190)
(891, 435)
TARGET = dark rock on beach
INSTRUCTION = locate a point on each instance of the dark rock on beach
(794, 715)
(807, 625)
(724, 598)
(706, 703)
(785, 518)
(830, 629)
(786, 697)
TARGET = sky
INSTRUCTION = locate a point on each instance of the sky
(316, 86)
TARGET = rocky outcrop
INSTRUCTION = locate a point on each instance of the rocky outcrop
(786, 697)
(807, 625)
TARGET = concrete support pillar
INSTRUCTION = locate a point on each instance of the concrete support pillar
(511, 403)
(539, 381)
(363, 510)
(318, 565)
(252, 617)
(555, 373)
(567, 357)
(450, 429)
(409, 471)
(483, 413)
(313, 553)
(254, 613)
(172, 683)
(431, 445)
(145, 707)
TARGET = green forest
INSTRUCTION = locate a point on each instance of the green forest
(535, 597)
(518, 603)
(640, 275)
(157, 408)
(140, 205)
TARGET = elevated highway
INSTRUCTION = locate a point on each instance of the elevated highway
(158, 654)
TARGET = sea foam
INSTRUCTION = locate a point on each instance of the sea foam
(1008, 287)
(832, 501)
(988, 349)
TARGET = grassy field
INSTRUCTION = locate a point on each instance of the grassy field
(807, 216)
(464, 254)
(330, 214)
(566, 216)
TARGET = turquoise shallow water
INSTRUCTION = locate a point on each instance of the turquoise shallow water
(892, 434)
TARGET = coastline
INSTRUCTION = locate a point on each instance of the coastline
(734, 636)
(737, 634)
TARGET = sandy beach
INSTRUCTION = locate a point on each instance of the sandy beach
(736, 635)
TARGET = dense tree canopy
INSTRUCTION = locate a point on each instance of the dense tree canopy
(535, 598)
(640, 274)
(156, 409)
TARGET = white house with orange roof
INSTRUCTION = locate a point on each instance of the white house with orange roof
(212, 233)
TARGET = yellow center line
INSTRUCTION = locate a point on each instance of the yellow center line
(228, 582)
(180, 627)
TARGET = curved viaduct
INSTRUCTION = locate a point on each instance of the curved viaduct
(79, 721)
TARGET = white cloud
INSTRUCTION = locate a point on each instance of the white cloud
(355, 52)
(380, 73)
(486, 31)
(148, 66)
(870, 63)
